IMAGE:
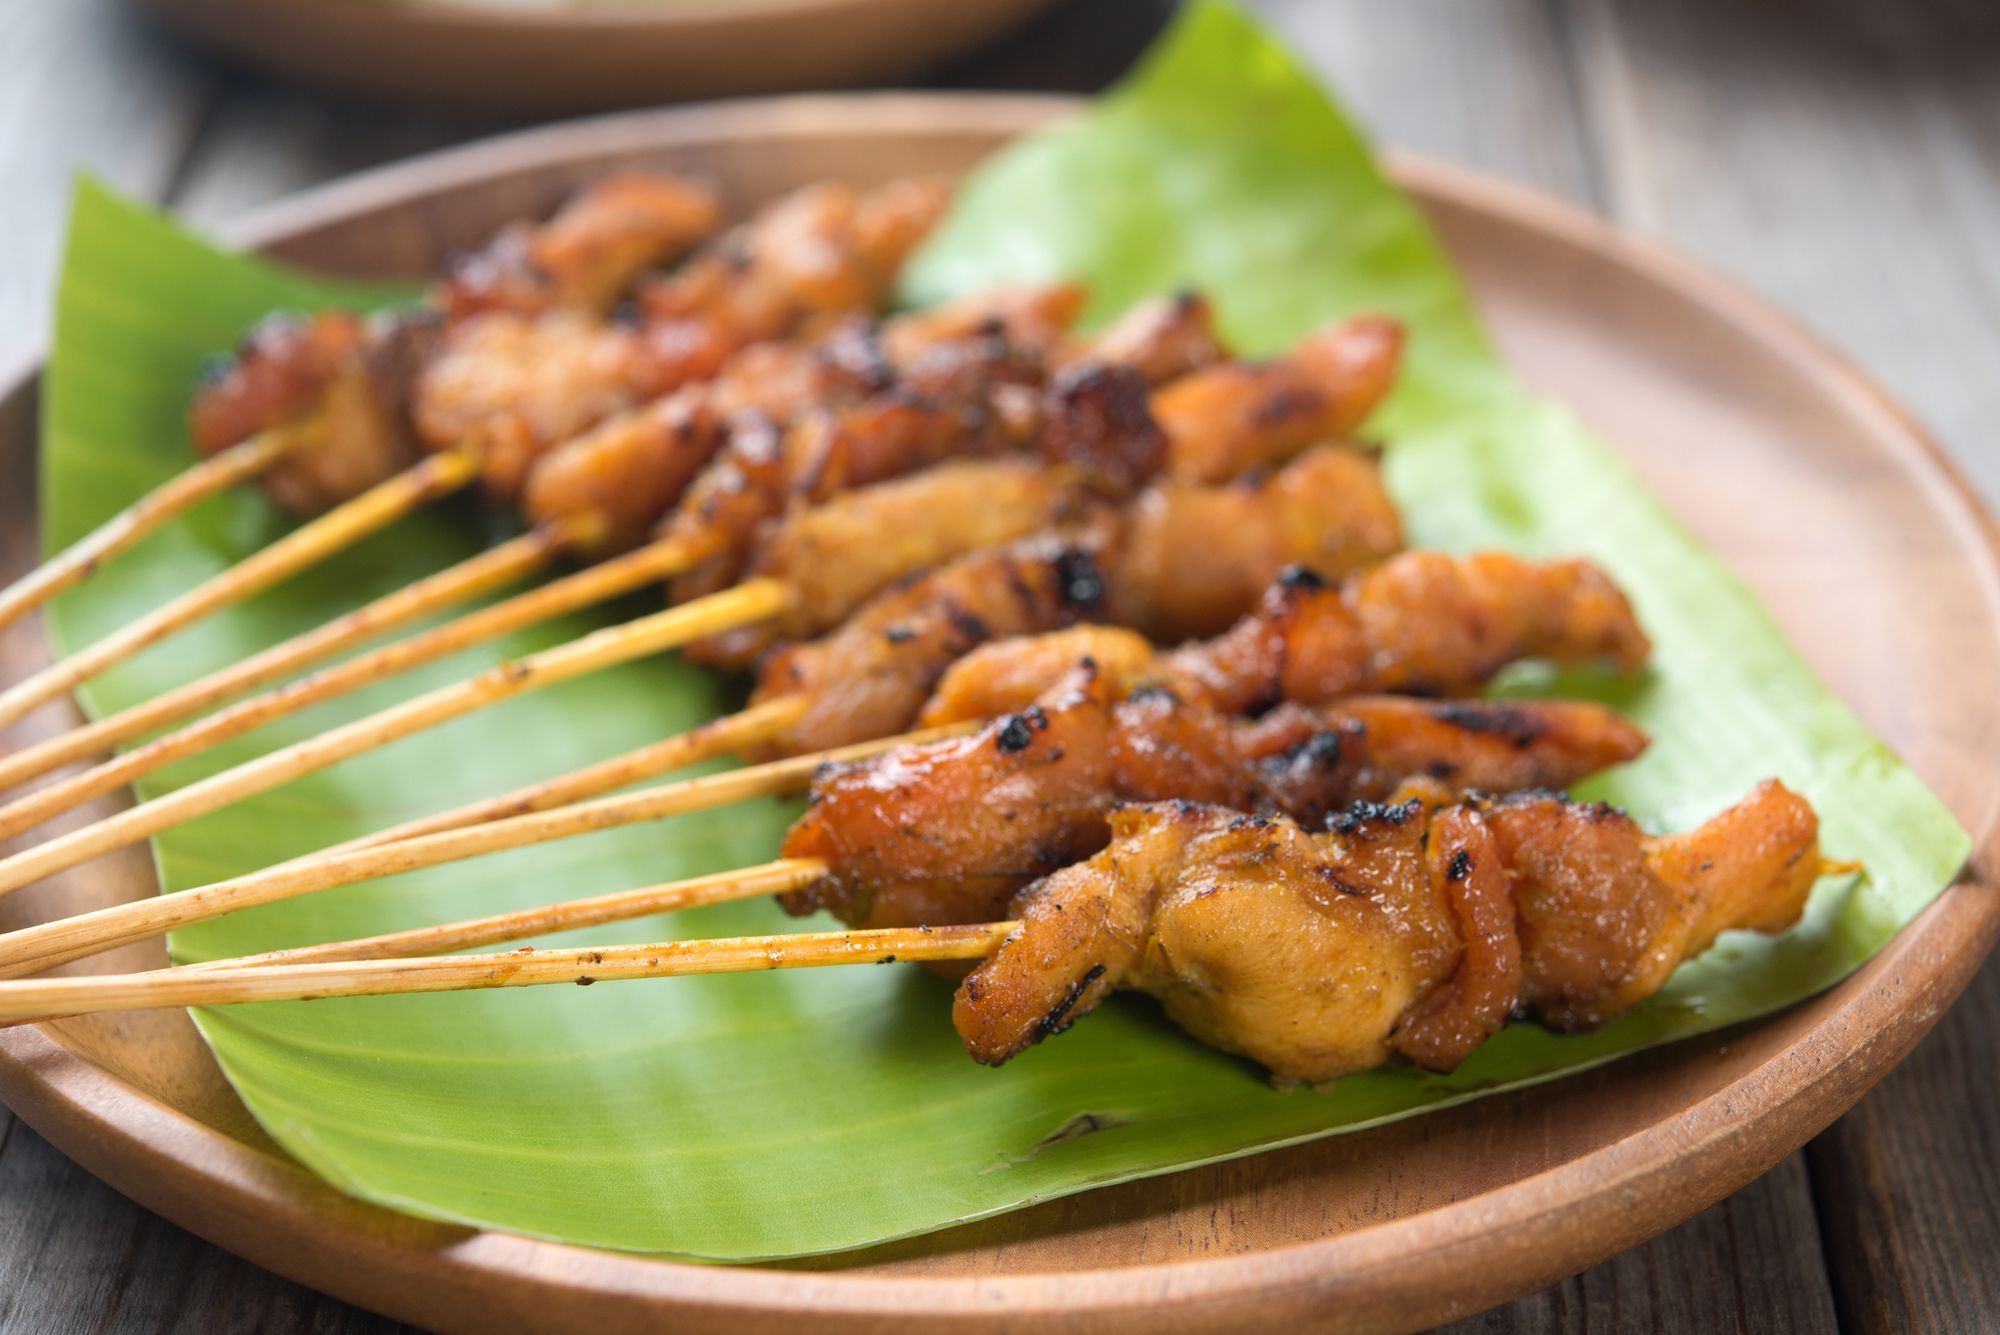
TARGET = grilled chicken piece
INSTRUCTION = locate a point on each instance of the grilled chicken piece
(1421, 623)
(1314, 760)
(629, 471)
(947, 832)
(588, 255)
(870, 677)
(1415, 928)
(1162, 339)
(1226, 420)
(858, 542)
(1089, 417)
(1196, 557)
(1034, 317)
(512, 386)
(339, 380)
(277, 375)
(949, 401)
(820, 251)
(840, 554)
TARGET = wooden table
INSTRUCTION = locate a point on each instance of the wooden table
(1841, 157)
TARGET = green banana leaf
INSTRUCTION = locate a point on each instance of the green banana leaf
(753, 1117)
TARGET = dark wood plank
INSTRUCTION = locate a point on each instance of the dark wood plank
(1750, 1264)
(1909, 1184)
(79, 1257)
(1841, 158)
(1845, 160)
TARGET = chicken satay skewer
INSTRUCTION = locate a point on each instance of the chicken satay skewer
(602, 238)
(460, 413)
(568, 528)
(1105, 429)
(1302, 760)
(141, 519)
(1750, 867)
(1305, 763)
(595, 242)
(31, 949)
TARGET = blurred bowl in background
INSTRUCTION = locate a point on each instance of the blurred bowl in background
(549, 56)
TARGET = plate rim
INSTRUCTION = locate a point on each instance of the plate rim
(99, 1120)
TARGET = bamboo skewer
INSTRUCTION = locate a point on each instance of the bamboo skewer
(142, 518)
(45, 945)
(367, 513)
(743, 605)
(719, 737)
(585, 588)
(773, 878)
(42, 998)
(511, 561)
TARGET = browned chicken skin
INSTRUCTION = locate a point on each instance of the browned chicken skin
(340, 382)
(1161, 338)
(870, 677)
(509, 387)
(1421, 623)
(1223, 421)
(987, 387)
(1096, 439)
(840, 554)
(518, 357)
(819, 251)
(1415, 928)
(588, 254)
(947, 832)
(513, 387)
(630, 470)
(1095, 413)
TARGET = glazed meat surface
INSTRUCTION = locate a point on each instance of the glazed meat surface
(820, 251)
(1223, 421)
(947, 832)
(1194, 557)
(588, 254)
(339, 382)
(871, 676)
(840, 554)
(1162, 339)
(632, 469)
(1420, 623)
(510, 387)
(1095, 414)
(1415, 928)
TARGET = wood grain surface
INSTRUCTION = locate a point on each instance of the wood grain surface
(1838, 158)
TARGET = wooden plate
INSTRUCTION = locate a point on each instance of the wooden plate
(1852, 527)
(571, 57)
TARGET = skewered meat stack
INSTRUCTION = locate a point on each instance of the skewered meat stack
(1290, 824)
(1413, 926)
(508, 356)
(1100, 425)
